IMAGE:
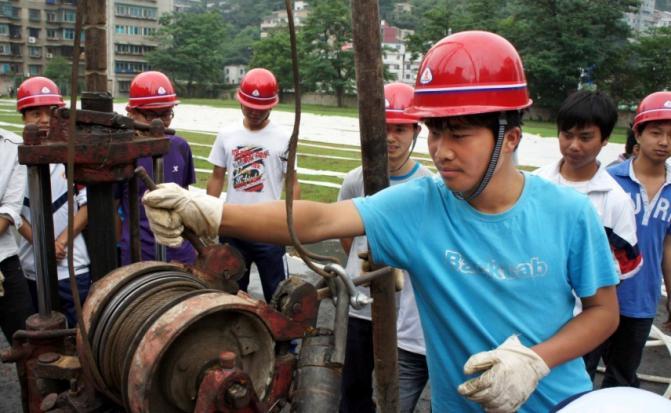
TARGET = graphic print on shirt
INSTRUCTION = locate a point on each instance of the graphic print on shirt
(249, 168)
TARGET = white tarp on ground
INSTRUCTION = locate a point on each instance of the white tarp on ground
(533, 150)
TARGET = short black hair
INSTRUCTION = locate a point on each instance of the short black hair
(631, 142)
(487, 120)
(584, 108)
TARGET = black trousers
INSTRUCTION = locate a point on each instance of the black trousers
(357, 374)
(621, 353)
(16, 305)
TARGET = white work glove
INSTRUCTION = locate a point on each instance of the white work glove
(170, 208)
(511, 373)
(2, 284)
(399, 279)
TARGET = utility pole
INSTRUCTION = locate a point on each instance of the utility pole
(372, 125)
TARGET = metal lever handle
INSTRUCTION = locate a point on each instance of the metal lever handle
(187, 234)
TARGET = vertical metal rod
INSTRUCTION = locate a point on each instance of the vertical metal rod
(133, 220)
(370, 92)
(161, 254)
(102, 226)
(42, 222)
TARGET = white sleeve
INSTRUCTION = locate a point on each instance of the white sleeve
(12, 200)
(218, 152)
(347, 188)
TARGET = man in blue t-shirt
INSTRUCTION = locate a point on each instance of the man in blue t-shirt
(647, 180)
(494, 254)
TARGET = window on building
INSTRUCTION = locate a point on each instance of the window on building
(52, 34)
(34, 51)
(124, 86)
(4, 29)
(34, 70)
(148, 31)
(137, 12)
(130, 67)
(15, 31)
(34, 32)
(5, 49)
(69, 34)
(69, 16)
(34, 15)
(51, 16)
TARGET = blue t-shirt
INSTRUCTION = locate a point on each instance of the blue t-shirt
(480, 278)
(639, 295)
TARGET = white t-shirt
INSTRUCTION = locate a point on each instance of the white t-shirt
(255, 161)
(59, 203)
(12, 184)
(408, 327)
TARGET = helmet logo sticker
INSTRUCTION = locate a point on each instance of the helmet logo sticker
(427, 76)
(161, 90)
(46, 90)
(256, 93)
(386, 103)
(667, 104)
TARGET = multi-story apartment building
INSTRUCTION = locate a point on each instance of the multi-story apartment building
(33, 32)
(395, 55)
(131, 26)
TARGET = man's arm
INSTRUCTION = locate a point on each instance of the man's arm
(5, 222)
(81, 218)
(26, 230)
(598, 320)
(346, 244)
(666, 272)
(216, 182)
(313, 221)
(297, 188)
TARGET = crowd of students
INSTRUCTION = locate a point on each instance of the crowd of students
(515, 285)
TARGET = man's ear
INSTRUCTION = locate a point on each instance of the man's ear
(511, 139)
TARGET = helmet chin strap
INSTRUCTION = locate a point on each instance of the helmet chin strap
(496, 153)
(412, 148)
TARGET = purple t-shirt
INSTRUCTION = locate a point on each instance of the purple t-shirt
(178, 168)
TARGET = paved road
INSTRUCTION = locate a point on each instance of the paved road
(656, 360)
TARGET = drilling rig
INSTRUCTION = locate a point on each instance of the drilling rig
(167, 337)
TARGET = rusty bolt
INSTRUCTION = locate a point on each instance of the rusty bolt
(49, 402)
(227, 359)
(237, 395)
(296, 308)
(48, 358)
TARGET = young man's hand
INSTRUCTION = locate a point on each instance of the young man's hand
(170, 208)
(61, 247)
(510, 373)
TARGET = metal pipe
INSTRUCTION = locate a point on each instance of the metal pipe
(160, 251)
(42, 222)
(340, 323)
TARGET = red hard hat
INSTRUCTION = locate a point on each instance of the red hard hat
(656, 106)
(258, 90)
(469, 73)
(151, 90)
(38, 91)
(397, 97)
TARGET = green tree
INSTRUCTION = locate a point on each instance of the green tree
(59, 70)
(329, 58)
(274, 53)
(557, 38)
(192, 47)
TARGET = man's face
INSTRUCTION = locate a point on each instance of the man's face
(255, 118)
(655, 141)
(148, 115)
(580, 146)
(38, 115)
(399, 141)
(461, 154)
